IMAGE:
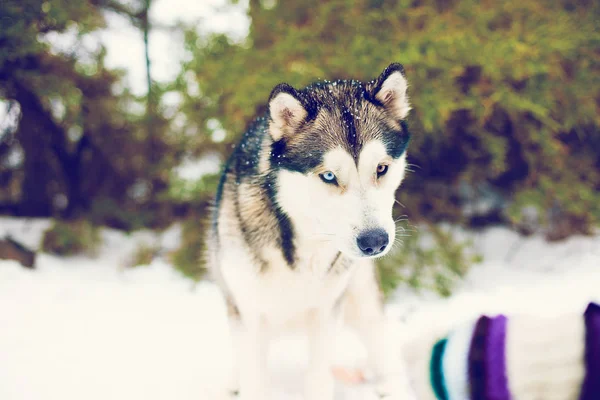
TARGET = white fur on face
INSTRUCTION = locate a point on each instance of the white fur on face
(338, 214)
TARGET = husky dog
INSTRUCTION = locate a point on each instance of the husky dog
(303, 207)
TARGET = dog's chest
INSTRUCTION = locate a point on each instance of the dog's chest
(285, 295)
(288, 294)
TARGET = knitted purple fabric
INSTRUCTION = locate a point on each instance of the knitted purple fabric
(487, 360)
(496, 381)
(591, 384)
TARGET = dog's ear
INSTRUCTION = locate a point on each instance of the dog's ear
(286, 110)
(390, 90)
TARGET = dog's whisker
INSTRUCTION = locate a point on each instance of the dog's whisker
(398, 202)
(401, 218)
(407, 228)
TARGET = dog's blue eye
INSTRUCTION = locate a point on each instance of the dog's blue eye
(328, 177)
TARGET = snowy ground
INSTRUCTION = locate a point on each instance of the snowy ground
(82, 328)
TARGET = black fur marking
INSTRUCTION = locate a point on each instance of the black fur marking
(247, 154)
(286, 230)
(303, 161)
(396, 142)
(277, 152)
(348, 119)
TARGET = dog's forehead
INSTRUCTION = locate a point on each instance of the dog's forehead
(370, 154)
(340, 115)
(347, 117)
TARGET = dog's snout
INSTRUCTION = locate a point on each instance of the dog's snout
(373, 242)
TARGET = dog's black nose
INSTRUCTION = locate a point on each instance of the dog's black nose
(373, 242)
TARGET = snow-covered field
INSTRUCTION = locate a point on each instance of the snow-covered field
(82, 328)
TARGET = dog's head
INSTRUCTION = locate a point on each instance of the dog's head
(339, 155)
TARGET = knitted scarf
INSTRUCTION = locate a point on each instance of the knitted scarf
(502, 358)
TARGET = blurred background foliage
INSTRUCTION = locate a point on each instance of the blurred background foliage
(505, 121)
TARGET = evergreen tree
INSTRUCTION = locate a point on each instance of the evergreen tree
(505, 95)
(83, 146)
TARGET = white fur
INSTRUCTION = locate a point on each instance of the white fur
(393, 95)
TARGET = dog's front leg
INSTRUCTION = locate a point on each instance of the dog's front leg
(250, 343)
(319, 383)
(364, 312)
(385, 360)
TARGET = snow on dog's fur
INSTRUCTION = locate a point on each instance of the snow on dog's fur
(304, 205)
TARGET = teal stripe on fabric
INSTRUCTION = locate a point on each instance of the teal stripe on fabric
(436, 372)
